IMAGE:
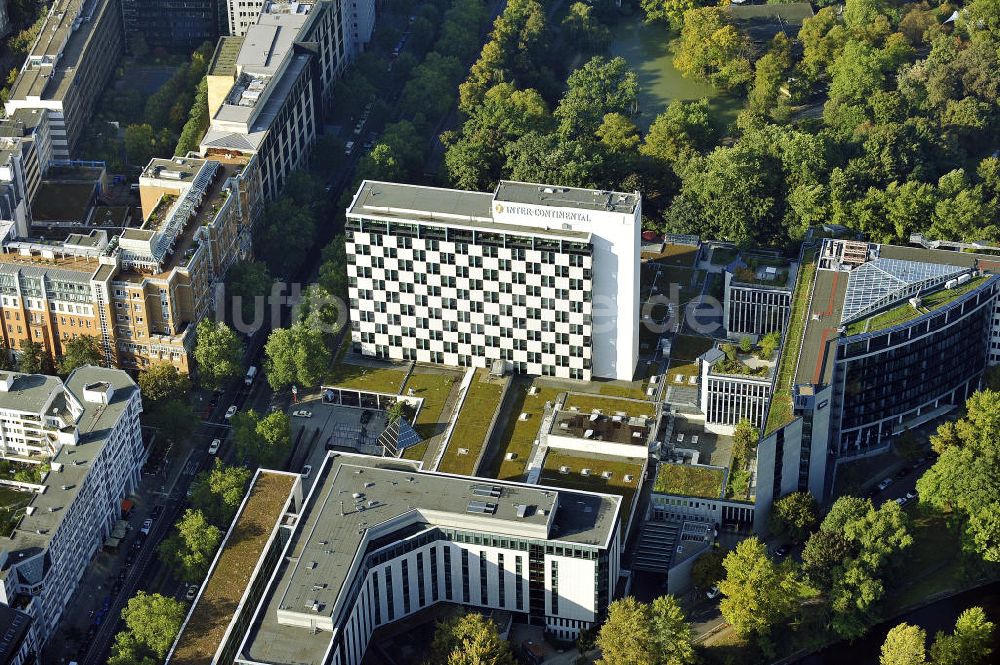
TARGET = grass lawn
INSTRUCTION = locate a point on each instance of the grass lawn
(905, 312)
(376, 379)
(635, 391)
(932, 562)
(433, 387)
(780, 411)
(231, 575)
(723, 256)
(519, 435)
(556, 459)
(12, 504)
(609, 405)
(689, 480)
(684, 352)
(675, 255)
(481, 402)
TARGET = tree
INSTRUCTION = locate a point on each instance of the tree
(684, 129)
(333, 269)
(795, 516)
(197, 122)
(154, 621)
(746, 344)
(161, 382)
(80, 351)
(599, 87)
(904, 645)
(585, 29)
(127, 650)
(550, 159)
(626, 638)
(769, 343)
(964, 480)
(969, 644)
(713, 50)
(251, 282)
(707, 570)
(745, 439)
(289, 229)
(174, 419)
(141, 144)
(34, 359)
(217, 493)
(297, 355)
(218, 352)
(321, 310)
(824, 551)
(671, 633)
(618, 133)
(189, 550)
(669, 11)
(470, 639)
(261, 441)
(759, 594)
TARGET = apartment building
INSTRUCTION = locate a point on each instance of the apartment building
(141, 293)
(170, 23)
(69, 65)
(376, 541)
(17, 645)
(893, 338)
(93, 442)
(544, 279)
(25, 152)
(270, 107)
(355, 19)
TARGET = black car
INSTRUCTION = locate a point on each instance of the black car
(157, 511)
(902, 473)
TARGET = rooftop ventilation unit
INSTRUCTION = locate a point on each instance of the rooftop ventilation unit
(493, 491)
(481, 508)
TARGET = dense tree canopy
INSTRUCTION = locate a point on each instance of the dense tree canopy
(964, 479)
(218, 352)
(470, 639)
(759, 593)
(218, 492)
(162, 381)
(188, 551)
(80, 351)
(637, 633)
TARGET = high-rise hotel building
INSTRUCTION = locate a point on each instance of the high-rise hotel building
(543, 278)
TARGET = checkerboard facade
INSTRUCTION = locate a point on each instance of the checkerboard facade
(460, 296)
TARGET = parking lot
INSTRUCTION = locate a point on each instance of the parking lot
(331, 427)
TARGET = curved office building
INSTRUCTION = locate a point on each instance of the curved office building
(884, 379)
(888, 338)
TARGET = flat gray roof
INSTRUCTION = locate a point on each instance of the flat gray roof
(567, 197)
(94, 424)
(356, 495)
(439, 206)
(29, 392)
(62, 38)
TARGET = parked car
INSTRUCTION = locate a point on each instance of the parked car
(157, 511)
(713, 593)
(306, 470)
(901, 500)
(192, 591)
(885, 483)
(213, 447)
(782, 550)
(902, 473)
(911, 495)
(349, 148)
(302, 413)
(230, 412)
(146, 526)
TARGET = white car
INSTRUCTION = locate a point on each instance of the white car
(230, 412)
(146, 526)
(885, 483)
(713, 593)
(306, 470)
(192, 591)
(302, 413)
(911, 495)
(213, 447)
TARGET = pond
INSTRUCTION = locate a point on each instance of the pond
(649, 50)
